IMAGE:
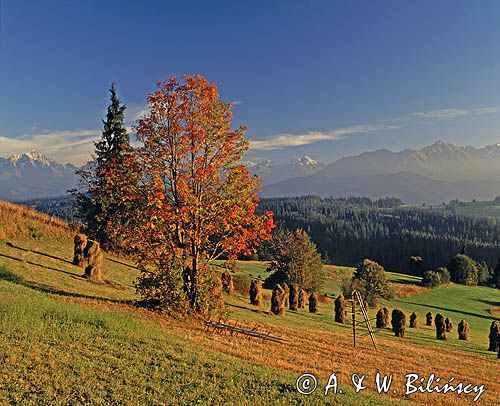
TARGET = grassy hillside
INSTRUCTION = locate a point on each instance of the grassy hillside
(64, 340)
(478, 208)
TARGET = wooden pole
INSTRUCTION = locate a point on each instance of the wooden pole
(353, 319)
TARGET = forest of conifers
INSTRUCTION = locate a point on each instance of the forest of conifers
(349, 230)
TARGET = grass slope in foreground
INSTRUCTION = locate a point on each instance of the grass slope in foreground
(57, 352)
(67, 341)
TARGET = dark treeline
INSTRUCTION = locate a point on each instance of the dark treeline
(349, 230)
(61, 206)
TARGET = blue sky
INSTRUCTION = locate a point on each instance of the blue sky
(323, 78)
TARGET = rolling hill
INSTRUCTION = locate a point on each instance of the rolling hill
(64, 340)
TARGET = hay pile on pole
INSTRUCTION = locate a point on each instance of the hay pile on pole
(440, 327)
(227, 282)
(383, 318)
(80, 241)
(414, 320)
(428, 319)
(294, 296)
(216, 291)
(302, 299)
(449, 325)
(398, 322)
(340, 309)
(313, 303)
(278, 300)
(287, 294)
(256, 292)
(493, 336)
(93, 258)
(463, 330)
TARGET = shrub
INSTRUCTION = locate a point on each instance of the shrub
(416, 265)
(371, 282)
(241, 283)
(444, 274)
(295, 259)
(431, 279)
(483, 274)
(463, 270)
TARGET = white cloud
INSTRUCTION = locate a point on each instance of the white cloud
(63, 146)
(453, 113)
(133, 113)
(486, 110)
(76, 146)
(443, 113)
(280, 141)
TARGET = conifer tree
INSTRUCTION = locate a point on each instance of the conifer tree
(103, 182)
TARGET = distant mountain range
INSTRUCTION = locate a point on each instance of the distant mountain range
(438, 173)
(271, 172)
(32, 175)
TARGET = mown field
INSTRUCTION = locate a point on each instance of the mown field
(478, 208)
(67, 341)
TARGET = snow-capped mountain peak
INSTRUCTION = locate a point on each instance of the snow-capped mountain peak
(271, 172)
(36, 156)
(305, 161)
(32, 174)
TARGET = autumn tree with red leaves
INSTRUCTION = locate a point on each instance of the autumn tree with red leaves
(196, 201)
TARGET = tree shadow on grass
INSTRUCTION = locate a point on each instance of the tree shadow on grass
(108, 283)
(488, 302)
(8, 243)
(40, 265)
(121, 263)
(405, 281)
(449, 310)
(9, 276)
(247, 308)
(38, 252)
(53, 291)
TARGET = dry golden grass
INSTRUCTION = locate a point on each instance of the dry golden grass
(321, 353)
(315, 346)
(20, 221)
(495, 311)
(407, 290)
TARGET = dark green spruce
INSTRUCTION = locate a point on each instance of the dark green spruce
(98, 199)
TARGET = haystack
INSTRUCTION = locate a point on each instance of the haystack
(278, 300)
(463, 330)
(398, 322)
(414, 320)
(440, 327)
(78, 252)
(256, 292)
